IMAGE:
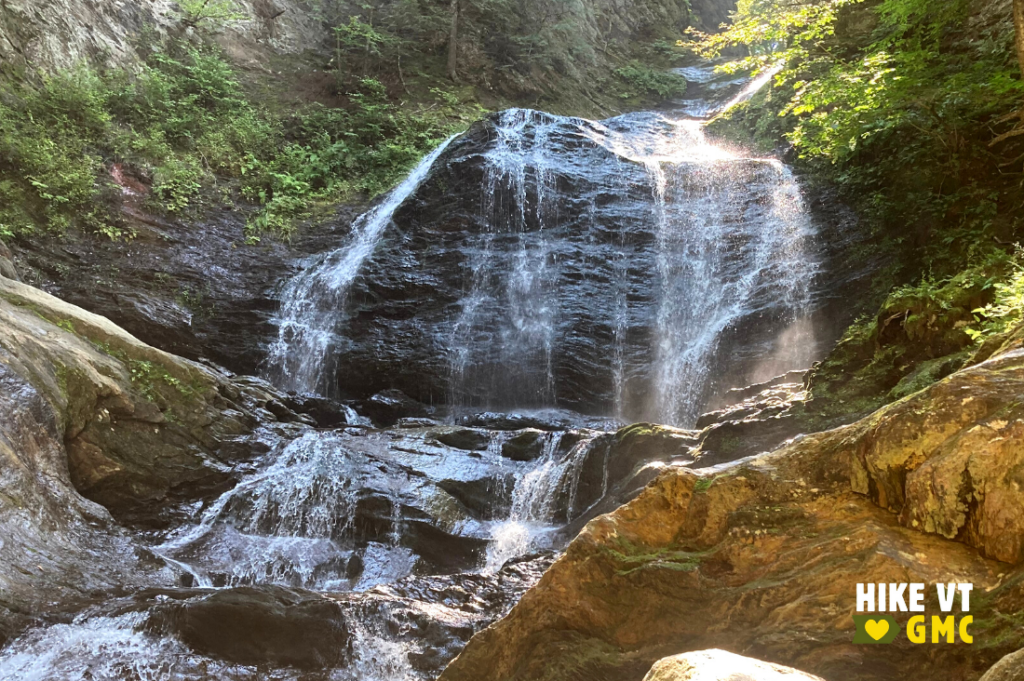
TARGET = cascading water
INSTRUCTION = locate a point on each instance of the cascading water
(628, 260)
(627, 267)
(312, 302)
(534, 497)
(720, 258)
(524, 336)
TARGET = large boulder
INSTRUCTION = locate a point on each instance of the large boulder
(259, 626)
(719, 665)
(763, 555)
(530, 268)
(92, 420)
(1010, 668)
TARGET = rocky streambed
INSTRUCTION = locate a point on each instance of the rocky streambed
(415, 489)
(231, 530)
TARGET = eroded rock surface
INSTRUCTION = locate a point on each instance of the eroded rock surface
(92, 421)
(762, 556)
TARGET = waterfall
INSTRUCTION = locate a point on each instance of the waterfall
(731, 241)
(515, 192)
(628, 267)
(534, 500)
(313, 301)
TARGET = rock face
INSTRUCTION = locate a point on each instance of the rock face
(190, 289)
(90, 414)
(763, 556)
(262, 626)
(58, 35)
(719, 665)
(537, 265)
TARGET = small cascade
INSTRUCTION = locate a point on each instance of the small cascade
(106, 648)
(313, 303)
(535, 500)
(377, 655)
(291, 523)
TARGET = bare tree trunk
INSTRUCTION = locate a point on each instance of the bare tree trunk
(1018, 22)
(453, 41)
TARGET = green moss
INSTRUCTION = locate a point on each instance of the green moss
(634, 557)
(149, 378)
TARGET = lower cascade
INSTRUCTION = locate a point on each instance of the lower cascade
(532, 270)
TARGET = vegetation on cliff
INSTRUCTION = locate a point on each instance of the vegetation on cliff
(185, 121)
(912, 111)
(380, 84)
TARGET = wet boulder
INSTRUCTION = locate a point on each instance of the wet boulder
(487, 498)
(260, 626)
(525, 445)
(467, 439)
(325, 412)
(388, 406)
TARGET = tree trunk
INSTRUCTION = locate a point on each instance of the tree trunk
(453, 40)
(1018, 22)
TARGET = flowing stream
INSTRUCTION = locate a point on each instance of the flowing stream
(389, 522)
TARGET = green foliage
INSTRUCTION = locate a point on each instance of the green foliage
(184, 121)
(644, 80)
(1007, 308)
(208, 12)
(897, 102)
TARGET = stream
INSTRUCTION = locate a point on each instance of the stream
(526, 275)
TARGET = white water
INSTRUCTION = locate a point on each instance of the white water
(519, 157)
(109, 648)
(532, 516)
(286, 524)
(312, 301)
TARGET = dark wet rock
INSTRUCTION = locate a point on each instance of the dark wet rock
(195, 290)
(487, 498)
(388, 406)
(259, 626)
(468, 439)
(442, 552)
(526, 445)
(541, 419)
(598, 233)
(615, 467)
(325, 413)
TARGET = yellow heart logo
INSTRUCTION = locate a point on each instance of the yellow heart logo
(876, 628)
